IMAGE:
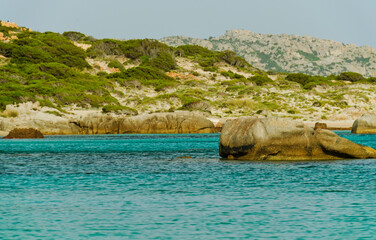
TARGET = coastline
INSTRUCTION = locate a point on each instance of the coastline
(217, 122)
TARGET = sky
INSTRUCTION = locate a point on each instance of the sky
(347, 21)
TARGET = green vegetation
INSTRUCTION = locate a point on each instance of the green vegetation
(77, 36)
(231, 75)
(33, 47)
(119, 109)
(309, 56)
(49, 68)
(207, 58)
(350, 76)
(308, 82)
(133, 49)
(146, 76)
(261, 80)
(116, 64)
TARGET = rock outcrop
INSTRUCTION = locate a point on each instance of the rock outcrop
(366, 124)
(320, 125)
(251, 138)
(183, 122)
(24, 133)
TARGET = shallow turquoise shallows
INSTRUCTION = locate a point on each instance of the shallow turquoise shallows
(142, 187)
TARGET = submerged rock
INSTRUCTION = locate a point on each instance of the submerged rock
(184, 122)
(365, 124)
(251, 138)
(24, 133)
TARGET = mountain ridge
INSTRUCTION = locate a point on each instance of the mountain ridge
(289, 53)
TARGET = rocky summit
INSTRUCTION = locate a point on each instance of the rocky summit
(289, 53)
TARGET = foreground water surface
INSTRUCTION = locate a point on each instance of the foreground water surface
(144, 187)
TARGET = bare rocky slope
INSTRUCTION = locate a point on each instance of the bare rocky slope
(289, 53)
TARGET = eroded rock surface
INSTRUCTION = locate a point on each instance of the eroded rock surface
(251, 138)
(148, 123)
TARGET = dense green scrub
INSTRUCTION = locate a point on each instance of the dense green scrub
(47, 67)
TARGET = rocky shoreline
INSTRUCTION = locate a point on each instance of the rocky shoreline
(31, 115)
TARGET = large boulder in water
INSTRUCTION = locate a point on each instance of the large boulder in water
(365, 124)
(183, 122)
(24, 133)
(251, 138)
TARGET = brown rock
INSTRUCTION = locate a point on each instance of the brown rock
(366, 124)
(184, 122)
(319, 125)
(251, 138)
(24, 133)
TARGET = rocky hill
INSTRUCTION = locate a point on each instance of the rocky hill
(289, 53)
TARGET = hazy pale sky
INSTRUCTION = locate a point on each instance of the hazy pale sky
(348, 21)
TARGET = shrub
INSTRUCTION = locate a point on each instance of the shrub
(350, 76)
(300, 78)
(74, 36)
(119, 109)
(47, 47)
(260, 80)
(231, 58)
(194, 50)
(57, 70)
(232, 75)
(116, 64)
(141, 73)
(132, 49)
(163, 61)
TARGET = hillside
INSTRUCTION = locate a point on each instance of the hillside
(289, 53)
(64, 77)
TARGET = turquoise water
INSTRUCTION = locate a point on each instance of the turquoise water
(137, 187)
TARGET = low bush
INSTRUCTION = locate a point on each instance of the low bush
(350, 76)
(119, 109)
(232, 75)
(116, 64)
(163, 61)
(74, 36)
(261, 80)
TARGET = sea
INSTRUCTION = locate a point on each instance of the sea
(178, 187)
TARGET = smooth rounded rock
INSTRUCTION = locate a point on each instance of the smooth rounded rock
(251, 138)
(366, 124)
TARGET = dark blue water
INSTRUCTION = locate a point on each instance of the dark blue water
(138, 187)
